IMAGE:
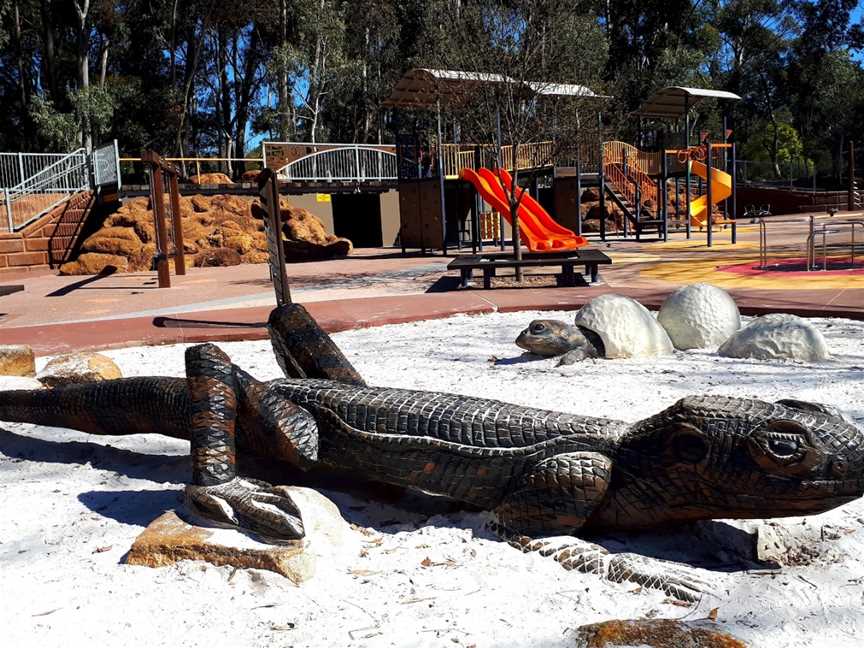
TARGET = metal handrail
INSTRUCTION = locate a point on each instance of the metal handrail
(17, 167)
(811, 241)
(826, 223)
(46, 189)
(344, 164)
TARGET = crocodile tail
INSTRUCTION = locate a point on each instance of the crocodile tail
(113, 407)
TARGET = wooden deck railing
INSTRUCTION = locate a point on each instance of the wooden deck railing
(527, 156)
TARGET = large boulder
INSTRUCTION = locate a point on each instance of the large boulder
(699, 316)
(17, 360)
(778, 336)
(627, 328)
(73, 368)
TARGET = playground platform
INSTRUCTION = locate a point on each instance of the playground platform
(379, 286)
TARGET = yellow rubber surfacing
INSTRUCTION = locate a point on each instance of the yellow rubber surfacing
(687, 271)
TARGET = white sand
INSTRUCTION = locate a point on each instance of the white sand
(72, 505)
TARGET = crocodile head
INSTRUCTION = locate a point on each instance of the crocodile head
(717, 457)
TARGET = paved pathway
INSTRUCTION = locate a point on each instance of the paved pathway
(376, 287)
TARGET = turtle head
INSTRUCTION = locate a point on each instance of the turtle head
(717, 457)
(550, 338)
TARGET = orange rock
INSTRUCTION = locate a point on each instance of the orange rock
(17, 360)
(241, 242)
(221, 256)
(210, 178)
(654, 633)
(250, 176)
(73, 368)
(94, 263)
(122, 241)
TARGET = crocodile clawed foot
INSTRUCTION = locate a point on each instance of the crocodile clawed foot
(249, 505)
(656, 574)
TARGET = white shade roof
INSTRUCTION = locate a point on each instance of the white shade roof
(672, 102)
(423, 87)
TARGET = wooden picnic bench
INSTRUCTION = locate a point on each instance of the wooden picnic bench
(490, 263)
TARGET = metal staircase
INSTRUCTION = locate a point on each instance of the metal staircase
(628, 182)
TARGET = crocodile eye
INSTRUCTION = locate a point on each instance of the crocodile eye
(783, 447)
(538, 328)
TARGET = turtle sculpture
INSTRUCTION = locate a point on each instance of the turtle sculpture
(553, 338)
(698, 316)
(608, 326)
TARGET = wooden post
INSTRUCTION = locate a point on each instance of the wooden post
(268, 192)
(157, 192)
(177, 222)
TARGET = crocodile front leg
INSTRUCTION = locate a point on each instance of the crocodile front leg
(555, 498)
(589, 558)
(216, 491)
(556, 495)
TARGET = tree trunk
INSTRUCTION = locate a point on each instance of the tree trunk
(103, 61)
(82, 9)
(49, 58)
(23, 72)
(284, 108)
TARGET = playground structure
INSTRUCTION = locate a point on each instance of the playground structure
(438, 195)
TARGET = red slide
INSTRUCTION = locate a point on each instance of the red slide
(538, 229)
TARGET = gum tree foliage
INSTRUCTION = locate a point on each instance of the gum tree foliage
(526, 50)
(196, 77)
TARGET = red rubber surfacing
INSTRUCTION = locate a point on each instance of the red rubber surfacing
(797, 267)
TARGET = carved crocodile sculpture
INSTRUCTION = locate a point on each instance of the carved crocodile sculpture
(542, 473)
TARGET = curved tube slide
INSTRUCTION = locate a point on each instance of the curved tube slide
(538, 229)
(721, 189)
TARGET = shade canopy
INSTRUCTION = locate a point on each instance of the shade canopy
(423, 87)
(674, 101)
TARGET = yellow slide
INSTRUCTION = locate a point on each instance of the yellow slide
(721, 189)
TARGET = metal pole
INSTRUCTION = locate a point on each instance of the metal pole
(850, 203)
(441, 180)
(499, 161)
(664, 188)
(578, 195)
(734, 195)
(20, 168)
(709, 217)
(117, 168)
(687, 162)
(9, 212)
(600, 176)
